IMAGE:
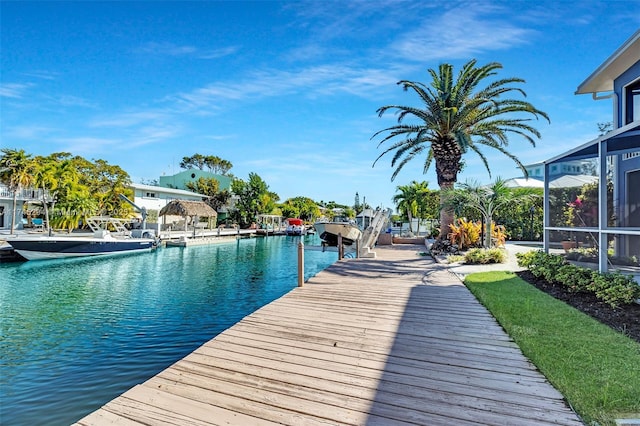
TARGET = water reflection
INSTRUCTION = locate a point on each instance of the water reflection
(75, 334)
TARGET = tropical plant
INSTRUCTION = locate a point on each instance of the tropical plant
(498, 235)
(457, 117)
(465, 233)
(301, 207)
(485, 199)
(416, 200)
(523, 219)
(406, 201)
(254, 198)
(16, 171)
(211, 188)
(483, 256)
(57, 176)
(615, 289)
(214, 163)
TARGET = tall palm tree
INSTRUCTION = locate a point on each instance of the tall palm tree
(457, 116)
(54, 176)
(15, 172)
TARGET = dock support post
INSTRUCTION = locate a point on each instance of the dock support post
(300, 263)
(340, 247)
(358, 248)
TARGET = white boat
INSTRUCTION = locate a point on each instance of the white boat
(101, 243)
(295, 227)
(329, 232)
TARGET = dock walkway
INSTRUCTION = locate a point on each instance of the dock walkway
(395, 340)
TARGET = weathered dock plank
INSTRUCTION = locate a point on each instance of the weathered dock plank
(386, 341)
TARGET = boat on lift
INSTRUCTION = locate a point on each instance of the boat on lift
(329, 232)
(295, 226)
(109, 237)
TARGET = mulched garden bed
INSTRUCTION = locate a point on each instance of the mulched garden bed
(625, 319)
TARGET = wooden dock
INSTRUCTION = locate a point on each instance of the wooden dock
(395, 340)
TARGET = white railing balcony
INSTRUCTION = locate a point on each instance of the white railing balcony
(27, 194)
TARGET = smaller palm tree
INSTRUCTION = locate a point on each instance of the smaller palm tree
(485, 199)
(16, 171)
(409, 201)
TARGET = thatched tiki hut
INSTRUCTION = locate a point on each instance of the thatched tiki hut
(190, 212)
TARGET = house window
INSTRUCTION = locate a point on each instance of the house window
(632, 97)
(630, 155)
(151, 195)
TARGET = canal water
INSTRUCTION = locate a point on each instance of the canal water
(75, 334)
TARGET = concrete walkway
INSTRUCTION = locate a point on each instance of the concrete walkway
(395, 340)
(511, 264)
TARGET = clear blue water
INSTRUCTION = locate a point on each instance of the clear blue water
(75, 334)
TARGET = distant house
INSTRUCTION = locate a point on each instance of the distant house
(156, 197)
(180, 180)
(567, 174)
(604, 216)
(6, 205)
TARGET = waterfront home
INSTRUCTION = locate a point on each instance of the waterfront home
(155, 198)
(602, 219)
(180, 180)
(6, 206)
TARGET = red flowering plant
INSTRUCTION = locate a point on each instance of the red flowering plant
(572, 213)
(582, 212)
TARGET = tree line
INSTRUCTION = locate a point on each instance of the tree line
(72, 188)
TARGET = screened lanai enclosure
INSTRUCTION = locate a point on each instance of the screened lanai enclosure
(593, 213)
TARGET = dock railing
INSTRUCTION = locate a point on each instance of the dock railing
(371, 234)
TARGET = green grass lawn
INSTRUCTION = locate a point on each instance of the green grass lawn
(596, 368)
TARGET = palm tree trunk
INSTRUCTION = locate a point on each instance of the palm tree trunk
(447, 155)
(46, 210)
(447, 215)
(13, 214)
(487, 227)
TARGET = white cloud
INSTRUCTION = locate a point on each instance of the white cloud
(128, 119)
(462, 32)
(168, 49)
(171, 49)
(218, 53)
(311, 82)
(14, 90)
(42, 74)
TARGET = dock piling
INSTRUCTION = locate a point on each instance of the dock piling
(300, 263)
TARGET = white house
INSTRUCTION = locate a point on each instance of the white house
(156, 197)
(6, 205)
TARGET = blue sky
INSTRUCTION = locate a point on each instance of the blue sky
(288, 90)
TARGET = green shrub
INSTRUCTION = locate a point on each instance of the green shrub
(484, 256)
(577, 279)
(546, 265)
(615, 289)
(526, 259)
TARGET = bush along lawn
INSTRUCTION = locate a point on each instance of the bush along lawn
(614, 289)
(596, 368)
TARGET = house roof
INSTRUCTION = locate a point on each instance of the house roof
(524, 183)
(564, 181)
(164, 190)
(188, 208)
(601, 80)
(622, 139)
(571, 181)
